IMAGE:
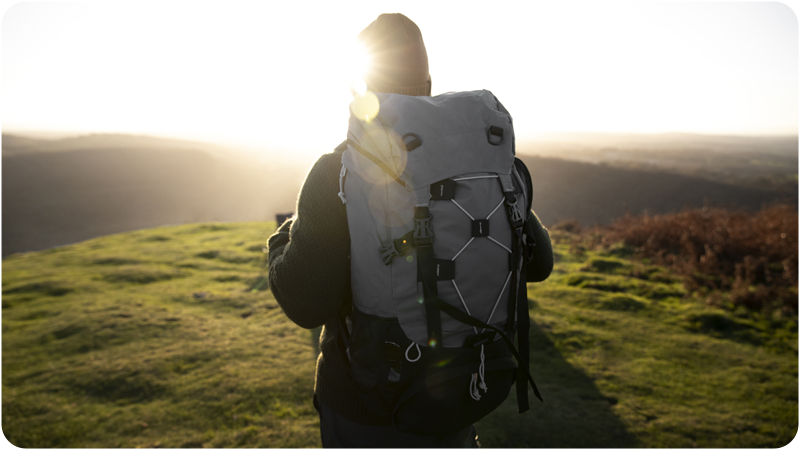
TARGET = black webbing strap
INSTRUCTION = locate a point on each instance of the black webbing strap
(518, 302)
(426, 269)
(425, 264)
(512, 299)
(377, 161)
(523, 336)
(516, 308)
(465, 318)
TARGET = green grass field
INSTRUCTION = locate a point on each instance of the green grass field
(169, 338)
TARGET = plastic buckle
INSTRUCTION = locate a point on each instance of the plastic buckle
(423, 234)
(514, 214)
(387, 253)
(475, 340)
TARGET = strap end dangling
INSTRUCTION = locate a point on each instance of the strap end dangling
(473, 389)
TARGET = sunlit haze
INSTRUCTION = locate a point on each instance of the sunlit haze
(276, 76)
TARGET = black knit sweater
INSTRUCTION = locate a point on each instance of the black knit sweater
(309, 275)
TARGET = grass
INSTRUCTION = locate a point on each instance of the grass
(624, 361)
(169, 337)
(146, 339)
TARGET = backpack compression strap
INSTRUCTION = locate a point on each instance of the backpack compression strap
(520, 303)
(427, 270)
(423, 239)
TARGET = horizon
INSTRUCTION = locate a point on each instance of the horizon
(540, 144)
(719, 69)
(49, 135)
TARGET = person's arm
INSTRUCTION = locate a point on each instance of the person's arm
(309, 262)
(542, 259)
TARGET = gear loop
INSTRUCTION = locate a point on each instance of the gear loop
(419, 352)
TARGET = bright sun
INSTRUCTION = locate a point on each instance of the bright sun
(359, 60)
(358, 64)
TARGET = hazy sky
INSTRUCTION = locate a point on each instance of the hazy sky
(276, 75)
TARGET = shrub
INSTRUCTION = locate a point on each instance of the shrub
(752, 256)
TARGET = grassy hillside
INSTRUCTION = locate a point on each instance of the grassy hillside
(167, 338)
(153, 338)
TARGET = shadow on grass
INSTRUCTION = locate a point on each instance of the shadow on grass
(574, 413)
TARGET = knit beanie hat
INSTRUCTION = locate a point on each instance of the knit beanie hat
(398, 59)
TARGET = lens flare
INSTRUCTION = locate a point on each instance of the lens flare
(432, 342)
(386, 146)
(366, 106)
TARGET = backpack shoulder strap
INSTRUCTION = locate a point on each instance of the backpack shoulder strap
(526, 179)
(527, 182)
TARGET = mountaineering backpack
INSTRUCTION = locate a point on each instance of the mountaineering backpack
(436, 206)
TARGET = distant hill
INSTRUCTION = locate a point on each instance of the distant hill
(17, 145)
(55, 194)
(67, 190)
(786, 145)
(598, 193)
(763, 162)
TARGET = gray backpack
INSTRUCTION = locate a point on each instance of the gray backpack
(436, 206)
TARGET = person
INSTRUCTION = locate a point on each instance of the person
(309, 267)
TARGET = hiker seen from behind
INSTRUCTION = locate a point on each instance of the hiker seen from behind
(412, 245)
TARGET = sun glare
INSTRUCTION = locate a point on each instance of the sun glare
(358, 61)
(359, 86)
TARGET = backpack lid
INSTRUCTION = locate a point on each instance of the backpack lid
(458, 133)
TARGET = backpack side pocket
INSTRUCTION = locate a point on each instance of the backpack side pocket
(377, 360)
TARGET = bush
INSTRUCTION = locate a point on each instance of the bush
(752, 256)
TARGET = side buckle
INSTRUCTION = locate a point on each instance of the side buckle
(387, 253)
(514, 213)
(475, 340)
(423, 234)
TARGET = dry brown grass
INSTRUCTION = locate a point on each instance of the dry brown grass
(748, 258)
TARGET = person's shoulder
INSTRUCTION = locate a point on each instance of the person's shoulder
(336, 154)
(340, 148)
(329, 162)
